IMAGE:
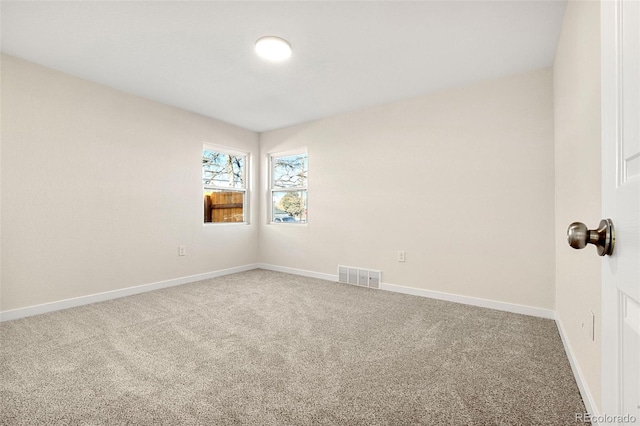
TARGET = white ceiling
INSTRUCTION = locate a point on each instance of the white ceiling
(346, 55)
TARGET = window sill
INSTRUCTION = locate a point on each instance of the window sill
(208, 224)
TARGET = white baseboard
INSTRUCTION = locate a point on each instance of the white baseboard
(115, 294)
(466, 300)
(587, 398)
(294, 271)
(475, 301)
(101, 297)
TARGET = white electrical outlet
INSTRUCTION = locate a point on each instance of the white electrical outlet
(402, 256)
(589, 326)
(182, 250)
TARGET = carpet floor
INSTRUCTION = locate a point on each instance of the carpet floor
(266, 348)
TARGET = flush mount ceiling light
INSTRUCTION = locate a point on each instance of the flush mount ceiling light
(273, 48)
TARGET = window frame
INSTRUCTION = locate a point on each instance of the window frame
(246, 177)
(271, 189)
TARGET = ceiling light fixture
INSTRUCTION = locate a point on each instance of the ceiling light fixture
(273, 48)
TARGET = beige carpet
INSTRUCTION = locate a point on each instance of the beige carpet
(266, 348)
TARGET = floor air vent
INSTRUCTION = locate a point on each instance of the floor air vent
(359, 276)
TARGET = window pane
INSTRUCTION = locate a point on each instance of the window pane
(290, 172)
(222, 170)
(224, 206)
(289, 206)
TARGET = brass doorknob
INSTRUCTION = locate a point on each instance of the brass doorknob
(603, 238)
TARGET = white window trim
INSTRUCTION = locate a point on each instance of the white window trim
(271, 189)
(245, 190)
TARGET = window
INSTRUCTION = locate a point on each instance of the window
(289, 188)
(224, 181)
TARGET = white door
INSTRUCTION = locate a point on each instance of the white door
(621, 202)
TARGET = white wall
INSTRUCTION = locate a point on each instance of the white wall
(462, 180)
(1, 126)
(99, 188)
(578, 181)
